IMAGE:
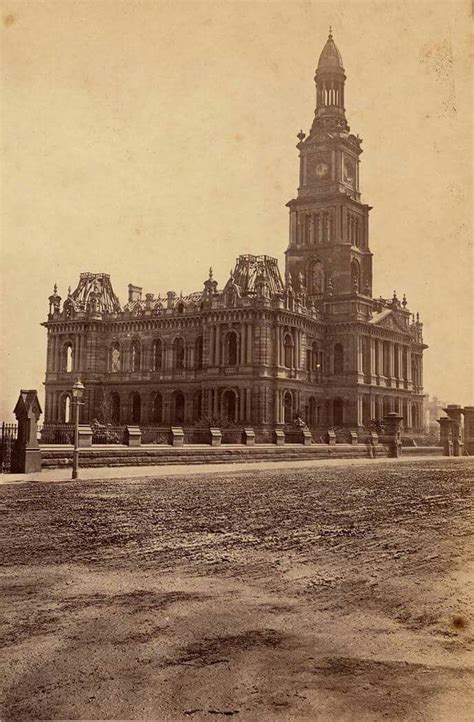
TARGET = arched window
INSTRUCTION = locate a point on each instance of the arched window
(338, 412)
(288, 347)
(180, 307)
(198, 353)
(179, 353)
(315, 281)
(197, 406)
(115, 408)
(136, 407)
(315, 357)
(68, 358)
(157, 355)
(67, 409)
(115, 358)
(355, 274)
(338, 359)
(288, 407)
(178, 407)
(135, 356)
(229, 405)
(157, 410)
(232, 348)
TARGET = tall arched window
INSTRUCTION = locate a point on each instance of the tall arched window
(232, 348)
(338, 359)
(315, 357)
(355, 274)
(288, 347)
(179, 353)
(67, 409)
(115, 408)
(157, 410)
(178, 407)
(115, 358)
(135, 356)
(338, 412)
(288, 407)
(157, 355)
(136, 408)
(68, 358)
(198, 353)
(197, 406)
(229, 405)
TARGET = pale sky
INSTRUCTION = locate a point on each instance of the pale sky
(150, 140)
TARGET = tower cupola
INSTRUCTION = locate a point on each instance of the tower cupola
(330, 79)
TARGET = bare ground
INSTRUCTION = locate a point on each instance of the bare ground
(315, 594)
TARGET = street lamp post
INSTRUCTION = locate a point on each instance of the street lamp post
(77, 394)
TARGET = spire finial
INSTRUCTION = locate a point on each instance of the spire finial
(330, 31)
(55, 289)
(210, 272)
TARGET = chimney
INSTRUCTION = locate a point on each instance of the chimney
(134, 292)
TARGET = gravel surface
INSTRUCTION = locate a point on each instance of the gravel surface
(313, 594)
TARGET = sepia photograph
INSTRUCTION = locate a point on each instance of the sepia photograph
(237, 380)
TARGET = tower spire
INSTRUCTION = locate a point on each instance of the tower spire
(330, 79)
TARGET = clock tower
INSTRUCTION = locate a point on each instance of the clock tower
(328, 244)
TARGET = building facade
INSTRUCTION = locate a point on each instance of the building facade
(261, 351)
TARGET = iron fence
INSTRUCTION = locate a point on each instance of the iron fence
(56, 433)
(7, 440)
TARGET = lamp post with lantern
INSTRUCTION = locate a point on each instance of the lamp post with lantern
(77, 394)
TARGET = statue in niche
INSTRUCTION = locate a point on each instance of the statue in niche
(317, 278)
(116, 359)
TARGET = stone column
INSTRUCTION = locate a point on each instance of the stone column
(446, 435)
(380, 359)
(372, 360)
(249, 343)
(243, 343)
(393, 422)
(217, 358)
(400, 361)
(248, 405)
(212, 332)
(373, 412)
(292, 228)
(454, 412)
(468, 412)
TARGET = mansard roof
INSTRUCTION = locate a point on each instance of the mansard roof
(97, 287)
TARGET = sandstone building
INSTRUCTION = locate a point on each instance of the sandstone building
(260, 350)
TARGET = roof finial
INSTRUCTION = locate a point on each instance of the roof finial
(55, 289)
(210, 272)
(330, 31)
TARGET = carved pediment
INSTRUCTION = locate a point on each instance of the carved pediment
(387, 319)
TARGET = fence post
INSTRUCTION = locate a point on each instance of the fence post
(26, 454)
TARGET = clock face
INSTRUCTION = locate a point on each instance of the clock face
(349, 172)
(318, 167)
(322, 169)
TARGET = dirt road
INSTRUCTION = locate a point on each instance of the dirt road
(315, 594)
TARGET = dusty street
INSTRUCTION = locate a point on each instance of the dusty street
(315, 594)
